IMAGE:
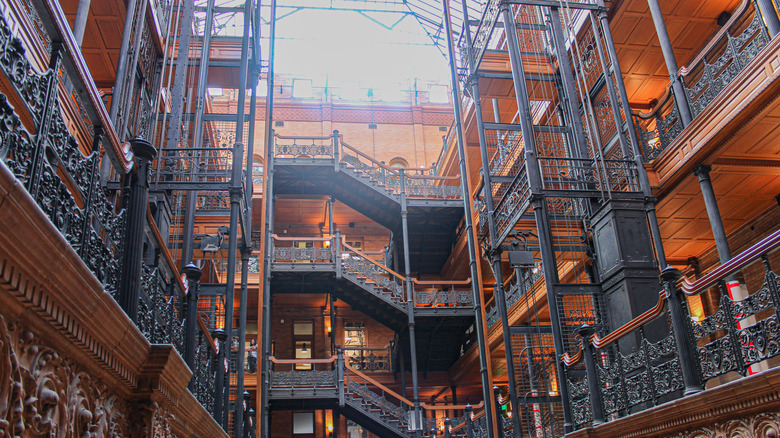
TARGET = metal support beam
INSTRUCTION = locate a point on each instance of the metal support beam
(680, 98)
(136, 206)
(702, 171)
(541, 216)
(644, 180)
(410, 309)
(476, 288)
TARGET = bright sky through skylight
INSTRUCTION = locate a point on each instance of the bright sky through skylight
(345, 46)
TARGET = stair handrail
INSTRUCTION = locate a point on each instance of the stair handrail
(371, 159)
(450, 407)
(447, 286)
(277, 361)
(384, 388)
(764, 246)
(304, 137)
(361, 254)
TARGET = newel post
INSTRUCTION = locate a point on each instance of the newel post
(681, 327)
(137, 200)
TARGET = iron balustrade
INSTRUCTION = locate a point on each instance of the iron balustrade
(193, 165)
(204, 374)
(420, 182)
(376, 400)
(514, 202)
(286, 374)
(580, 175)
(41, 152)
(715, 67)
(369, 359)
(442, 294)
(314, 250)
(741, 335)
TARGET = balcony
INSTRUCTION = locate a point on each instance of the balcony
(75, 320)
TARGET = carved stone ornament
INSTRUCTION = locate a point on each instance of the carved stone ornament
(764, 425)
(44, 394)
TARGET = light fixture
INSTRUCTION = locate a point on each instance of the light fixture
(303, 349)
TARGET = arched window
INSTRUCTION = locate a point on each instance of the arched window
(399, 162)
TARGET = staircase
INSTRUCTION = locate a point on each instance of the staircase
(329, 166)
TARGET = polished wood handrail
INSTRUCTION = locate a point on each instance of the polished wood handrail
(450, 407)
(741, 9)
(205, 329)
(570, 360)
(300, 238)
(356, 348)
(384, 166)
(733, 265)
(388, 270)
(434, 177)
(379, 385)
(644, 318)
(435, 282)
(300, 361)
(164, 250)
(120, 156)
(303, 137)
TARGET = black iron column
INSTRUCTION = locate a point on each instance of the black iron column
(540, 214)
(191, 323)
(644, 180)
(410, 308)
(262, 402)
(680, 98)
(594, 389)
(682, 331)
(220, 337)
(476, 287)
(702, 171)
(769, 14)
(137, 205)
(570, 101)
(197, 141)
(238, 421)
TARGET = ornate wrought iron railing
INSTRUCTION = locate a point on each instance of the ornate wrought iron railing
(290, 375)
(203, 383)
(715, 67)
(739, 337)
(443, 293)
(573, 174)
(62, 176)
(369, 359)
(362, 269)
(419, 182)
(303, 250)
(180, 165)
(376, 400)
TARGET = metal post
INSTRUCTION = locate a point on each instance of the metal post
(594, 390)
(331, 201)
(644, 180)
(236, 190)
(337, 252)
(336, 147)
(191, 323)
(476, 288)
(239, 422)
(200, 106)
(410, 306)
(80, 23)
(613, 99)
(263, 404)
(137, 205)
(340, 375)
(499, 417)
(447, 425)
(569, 86)
(769, 14)
(121, 66)
(245, 415)
(680, 98)
(470, 422)
(220, 336)
(702, 171)
(682, 334)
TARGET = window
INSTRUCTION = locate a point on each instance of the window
(303, 423)
(262, 88)
(398, 163)
(303, 337)
(302, 89)
(215, 91)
